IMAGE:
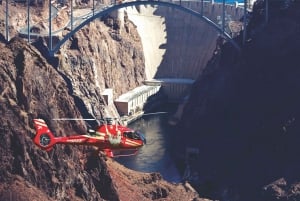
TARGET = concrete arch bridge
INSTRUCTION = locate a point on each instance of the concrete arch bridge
(217, 15)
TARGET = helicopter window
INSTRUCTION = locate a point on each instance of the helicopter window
(132, 135)
(128, 135)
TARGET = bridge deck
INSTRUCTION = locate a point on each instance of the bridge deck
(200, 9)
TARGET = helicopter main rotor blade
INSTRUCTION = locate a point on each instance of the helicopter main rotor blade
(72, 119)
(77, 119)
(154, 113)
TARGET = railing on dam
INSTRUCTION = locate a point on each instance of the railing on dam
(217, 13)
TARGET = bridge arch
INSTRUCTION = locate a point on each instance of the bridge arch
(138, 3)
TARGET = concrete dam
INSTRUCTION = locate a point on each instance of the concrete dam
(176, 45)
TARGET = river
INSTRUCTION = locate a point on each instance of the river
(155, 156)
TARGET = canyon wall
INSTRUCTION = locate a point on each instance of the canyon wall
(244, 109)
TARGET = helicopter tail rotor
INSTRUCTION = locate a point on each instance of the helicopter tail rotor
(43, 138)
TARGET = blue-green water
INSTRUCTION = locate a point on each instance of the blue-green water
(155, 155)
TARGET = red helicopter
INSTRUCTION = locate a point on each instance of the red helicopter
(109, 137)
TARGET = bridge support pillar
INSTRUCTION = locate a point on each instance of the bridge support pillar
(267, 11)
(28, 21)
(71, 15)
(245, 22)
(6, 22)
(119, 14)
(50, 27)
(202, 7)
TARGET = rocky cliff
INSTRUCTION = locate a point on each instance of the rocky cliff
(243, 113)
(31, 88)
(102, 55)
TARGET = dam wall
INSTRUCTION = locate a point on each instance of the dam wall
(177, 44)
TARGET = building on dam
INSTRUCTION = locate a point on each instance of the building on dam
(154, 91)
(134, 101)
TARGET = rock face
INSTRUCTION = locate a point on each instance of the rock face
(32, 88)
(132, 185)
(243, 114)
(100, 57)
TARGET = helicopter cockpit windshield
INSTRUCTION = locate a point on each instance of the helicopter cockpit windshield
(132, 135)
(135, 135)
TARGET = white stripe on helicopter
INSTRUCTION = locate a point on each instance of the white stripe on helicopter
(41, 123)
(130, 142)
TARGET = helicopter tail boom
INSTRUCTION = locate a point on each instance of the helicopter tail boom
(43, 138)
